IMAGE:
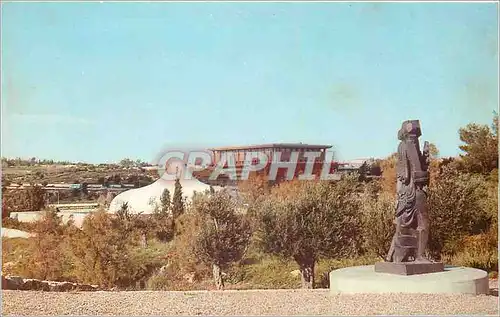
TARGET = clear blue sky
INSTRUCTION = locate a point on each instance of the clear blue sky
(99, 82)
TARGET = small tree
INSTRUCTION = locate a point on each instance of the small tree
(308, 220)
(222, 236)
(46, 258)
(162, 217)
(178, 201)
(165, 202)
(101, 252)
(35, 197)
(480, 147)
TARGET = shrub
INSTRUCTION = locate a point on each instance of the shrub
(102, 251)
(378, 223)
(45, 257)
(478, 251)
(456, 210)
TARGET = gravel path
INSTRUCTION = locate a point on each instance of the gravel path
(249, 302)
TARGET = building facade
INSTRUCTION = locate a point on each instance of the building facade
(281, 152)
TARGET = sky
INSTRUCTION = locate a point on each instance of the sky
(98, 82)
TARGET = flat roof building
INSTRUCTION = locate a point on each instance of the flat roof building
(239, 153)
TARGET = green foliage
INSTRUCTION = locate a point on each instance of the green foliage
(102, 251)
(223, 233)
(46, 258)
(320, 221)
(162, 224)
(305, 229)
(178, 201)
(456, 210)
(166, 204)
(268, 273)
(378, 222)
(29, 199)
(481, 147)
(478, 251)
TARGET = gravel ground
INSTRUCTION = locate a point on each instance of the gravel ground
(249, 302)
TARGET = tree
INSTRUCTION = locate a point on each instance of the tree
(433, 151)
(165, 202)
(35, 197)
(126, 162)
(481, 147)
(46, 258)
(163, 219)
(178, 200)
(309, 220)
(101, 252)
(126, 218)
(29, 199)
(222, 236)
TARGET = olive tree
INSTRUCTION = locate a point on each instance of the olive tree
(311, 219)
(222, 233)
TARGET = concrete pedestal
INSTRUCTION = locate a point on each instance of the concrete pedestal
(364, 279)
(409, 268)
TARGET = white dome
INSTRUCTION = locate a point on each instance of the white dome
(139, 199)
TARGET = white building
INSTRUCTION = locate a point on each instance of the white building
(142, 200)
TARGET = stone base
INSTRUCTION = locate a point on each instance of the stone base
(408, 268)
(453, 280)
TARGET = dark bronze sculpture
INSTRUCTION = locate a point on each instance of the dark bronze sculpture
(407, 253)
(412, 224)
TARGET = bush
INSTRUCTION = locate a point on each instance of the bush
(478, 251)
(269, 273)
(45, 258)
(102, 252)
(456, 210)
(378, 223)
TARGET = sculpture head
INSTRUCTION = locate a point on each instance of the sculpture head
(409, 128)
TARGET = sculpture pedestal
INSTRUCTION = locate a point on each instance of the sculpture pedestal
(408, 268)
(453, 280)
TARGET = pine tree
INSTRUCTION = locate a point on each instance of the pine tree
(162, 216)
(178, 201)
(165, 202)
